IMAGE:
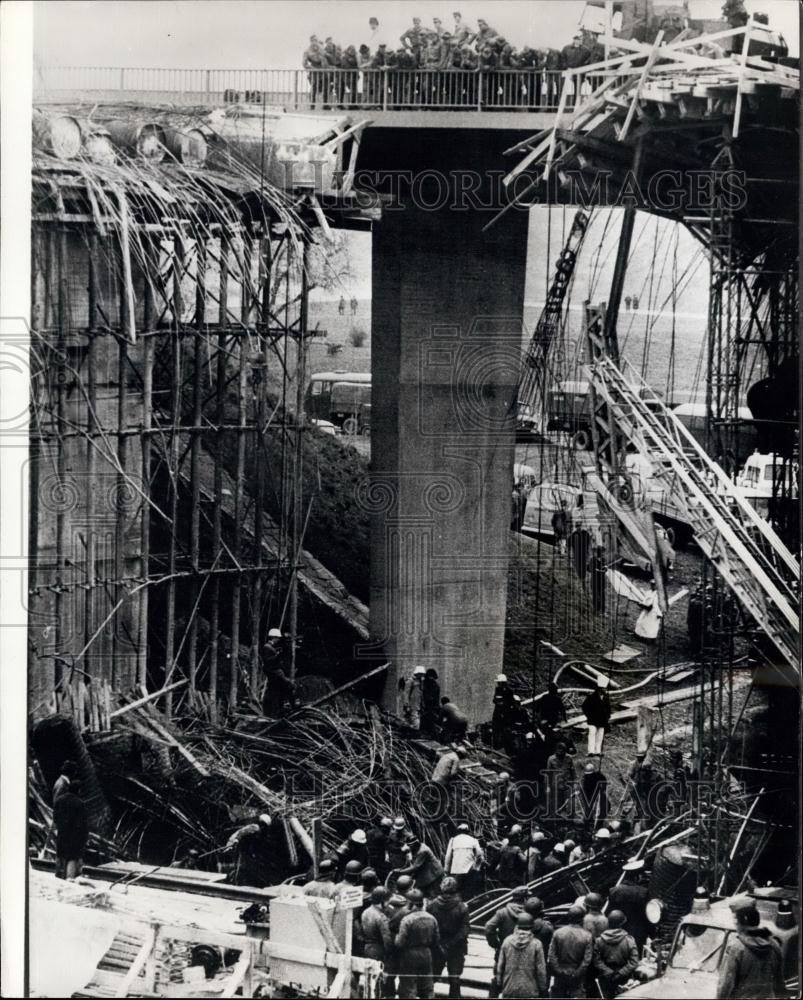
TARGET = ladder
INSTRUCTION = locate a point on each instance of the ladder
(742, 546)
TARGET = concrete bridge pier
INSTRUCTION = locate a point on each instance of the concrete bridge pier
(446, 346)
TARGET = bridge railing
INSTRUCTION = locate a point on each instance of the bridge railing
(389, 89)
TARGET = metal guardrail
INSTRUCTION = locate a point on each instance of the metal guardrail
(388, 89)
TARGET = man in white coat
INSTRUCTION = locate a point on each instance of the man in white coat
(464, 858)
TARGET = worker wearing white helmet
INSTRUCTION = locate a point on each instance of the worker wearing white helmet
(280, 692)
(413, 698)
(253, 848)
(354, 848)
(503, 713)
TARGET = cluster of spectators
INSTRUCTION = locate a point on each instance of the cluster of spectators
(437, 50)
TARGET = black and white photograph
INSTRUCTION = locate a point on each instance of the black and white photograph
(400, 538)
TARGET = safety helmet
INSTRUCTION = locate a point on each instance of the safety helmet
(358, 836)
(501, 679)
(353, 868)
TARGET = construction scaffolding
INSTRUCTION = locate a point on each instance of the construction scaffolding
(169, 329)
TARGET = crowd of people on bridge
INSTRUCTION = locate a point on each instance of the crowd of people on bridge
(440, 51)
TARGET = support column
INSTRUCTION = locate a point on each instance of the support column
(446, 348)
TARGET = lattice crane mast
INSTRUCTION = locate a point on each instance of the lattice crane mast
(533, 375)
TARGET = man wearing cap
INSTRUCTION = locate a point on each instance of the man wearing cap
(464, 859)
(454, 927)
(631, 897)
(597, 710)
(752, 966)
(377, 939)
(570, 954)
(425, 868)
(324, 884)
(615, 955)
(574, 55)
(355, 848)
(414, 698)
(521, 967)
(415, 942)
(501, 925)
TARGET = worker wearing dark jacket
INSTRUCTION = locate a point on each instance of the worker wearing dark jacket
(597, 710)
(454, 926)
(376, 936)
(501, 925)
(521, 966)
(595, 920)
(542, 928)
(631, 897)
(512, 863)
(615, 955)
(377, 844)
(398, 908)
(418, 937)
(752, 966)
(72, 831)
(574, 55)
(551, 706)
(425, 868)
(430, 702)
(570, 955)
(354, 848)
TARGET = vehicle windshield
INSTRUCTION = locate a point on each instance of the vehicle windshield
(699, 948)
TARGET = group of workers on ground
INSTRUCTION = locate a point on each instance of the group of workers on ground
(341, 306)
(415, 919)
(441, 51)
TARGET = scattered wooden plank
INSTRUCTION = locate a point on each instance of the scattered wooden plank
(147, 698)
(622, 653)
